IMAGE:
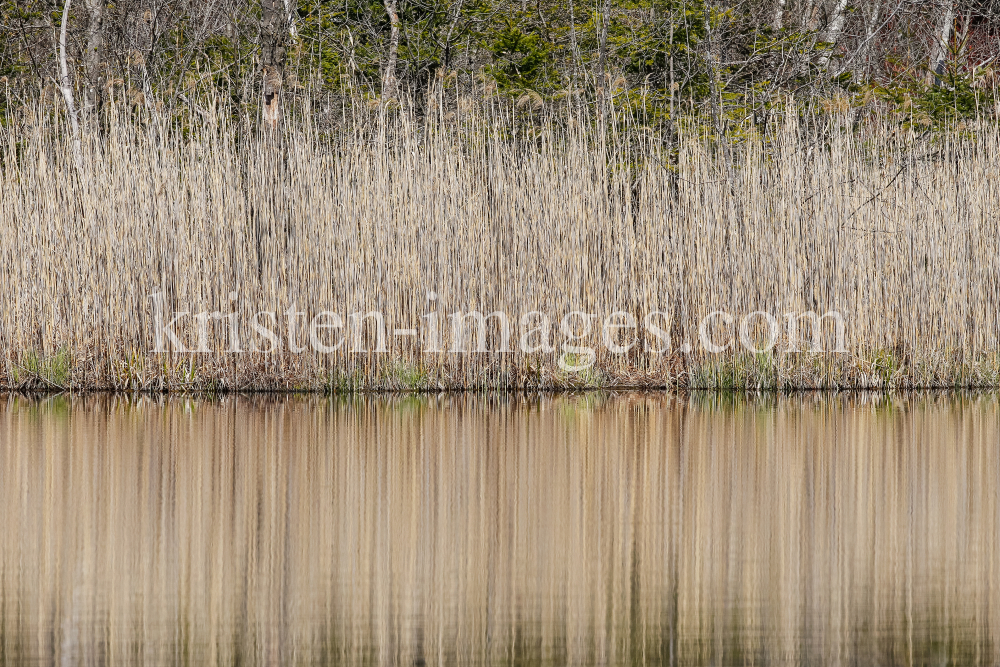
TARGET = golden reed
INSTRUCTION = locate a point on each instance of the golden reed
(898, 233)
(464, 529)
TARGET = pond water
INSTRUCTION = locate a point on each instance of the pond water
(639, 528)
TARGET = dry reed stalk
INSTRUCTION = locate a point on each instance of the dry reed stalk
(896, 233)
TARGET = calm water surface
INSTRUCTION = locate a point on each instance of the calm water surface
(595, 529)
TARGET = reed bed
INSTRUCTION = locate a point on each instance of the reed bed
(488, 211)
(643, 529)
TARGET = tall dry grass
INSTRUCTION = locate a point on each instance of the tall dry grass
(642, 529)
(895, 231)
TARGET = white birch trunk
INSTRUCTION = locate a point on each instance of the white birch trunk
(66, 87)
(93, 53)
(942, 36)
(389, 73)
(835, 26)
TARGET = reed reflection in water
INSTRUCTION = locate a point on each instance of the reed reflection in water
(593, 529)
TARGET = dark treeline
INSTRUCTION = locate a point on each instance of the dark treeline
(733, 60)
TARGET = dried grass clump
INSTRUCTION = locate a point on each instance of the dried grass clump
(897, 233)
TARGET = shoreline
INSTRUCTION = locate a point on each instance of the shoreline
(393, 378)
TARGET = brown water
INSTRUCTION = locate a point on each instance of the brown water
(632, 529)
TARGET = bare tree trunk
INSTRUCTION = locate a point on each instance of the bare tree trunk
(66, 87)
(575, 52)
(871, 27)
(142, 46)
(672, 87)
(712, 56)
(389, 86)
(602, 60)
(574, 72)
(93, 54)
(273, 36)
(778, 22)
(808, 15)
(834, 27)
(289, 10)
(942, 37)
(455, 14)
